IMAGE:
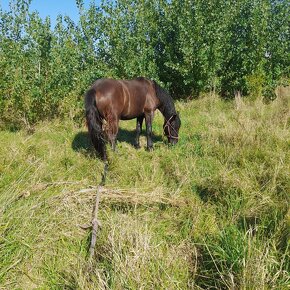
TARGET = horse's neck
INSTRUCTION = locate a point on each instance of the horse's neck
(166, 106)
(167, 109)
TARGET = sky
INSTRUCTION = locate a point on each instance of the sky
(53, 7)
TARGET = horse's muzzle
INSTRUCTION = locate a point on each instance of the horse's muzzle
(172, 141)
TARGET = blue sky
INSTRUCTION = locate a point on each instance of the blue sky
(53, 7)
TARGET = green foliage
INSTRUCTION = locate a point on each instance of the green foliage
(188, 46)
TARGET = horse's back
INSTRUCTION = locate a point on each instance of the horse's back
(125, 99)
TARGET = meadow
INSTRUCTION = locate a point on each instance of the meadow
(211, 212)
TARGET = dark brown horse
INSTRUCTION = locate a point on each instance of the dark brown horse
(108, 101)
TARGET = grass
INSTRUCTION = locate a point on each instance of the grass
(209, 213)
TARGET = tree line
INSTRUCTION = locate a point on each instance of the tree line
(188, 46)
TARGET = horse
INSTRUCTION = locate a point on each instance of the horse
(109, 100)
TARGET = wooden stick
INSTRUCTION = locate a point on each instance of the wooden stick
(95, 223)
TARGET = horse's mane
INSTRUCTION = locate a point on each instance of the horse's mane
(166, 102)
(141, 79)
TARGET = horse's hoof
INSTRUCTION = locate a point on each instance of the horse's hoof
(137, 146)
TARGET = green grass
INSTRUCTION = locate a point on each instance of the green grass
(209, 213)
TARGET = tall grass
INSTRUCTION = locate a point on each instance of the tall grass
(209, 213)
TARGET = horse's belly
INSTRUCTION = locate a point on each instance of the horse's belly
(131, 115)
(127, 117)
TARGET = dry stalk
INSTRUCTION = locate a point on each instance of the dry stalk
(134, 197)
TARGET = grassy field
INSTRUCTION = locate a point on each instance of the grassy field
(209, 213)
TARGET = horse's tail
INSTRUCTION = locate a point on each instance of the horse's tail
(94, 122)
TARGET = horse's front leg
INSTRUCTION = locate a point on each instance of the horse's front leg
(138, 131)
(149, 120)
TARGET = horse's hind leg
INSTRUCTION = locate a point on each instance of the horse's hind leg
(112, 132)
(138, 131)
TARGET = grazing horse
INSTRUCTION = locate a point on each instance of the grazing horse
(109, 100)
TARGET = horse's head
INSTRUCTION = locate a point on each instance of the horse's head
(171, 128)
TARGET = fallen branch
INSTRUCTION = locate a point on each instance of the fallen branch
(95, 223)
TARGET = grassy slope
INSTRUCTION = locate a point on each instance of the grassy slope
(210, 212)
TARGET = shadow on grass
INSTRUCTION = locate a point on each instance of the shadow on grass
(129, 136)
(82, 142)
